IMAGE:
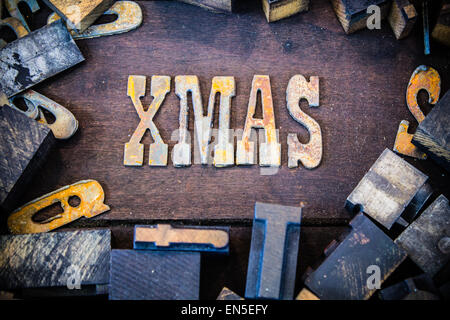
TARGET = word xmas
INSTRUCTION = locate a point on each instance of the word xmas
(309, 154)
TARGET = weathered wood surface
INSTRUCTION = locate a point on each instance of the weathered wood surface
(53, 259)
(24, 147)
(37, 56)
(363, 79)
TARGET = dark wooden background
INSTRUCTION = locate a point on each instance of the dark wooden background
(363, 78)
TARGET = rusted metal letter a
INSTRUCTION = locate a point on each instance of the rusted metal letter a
(134, 150)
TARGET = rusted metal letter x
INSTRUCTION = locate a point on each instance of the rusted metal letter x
(134, 150)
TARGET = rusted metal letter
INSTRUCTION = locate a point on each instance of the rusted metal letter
(65, 124)
(91, 196)
(425, 78)
(134, 150)
(12, 7)
(15, 25)
(203, 124)
(129, 17)
(309, 154)
(224, 149)
(270, 150)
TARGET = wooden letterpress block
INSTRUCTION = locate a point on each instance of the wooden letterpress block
(402, 17)
(344, 274)
(56, 259)
(427, 239)
(154, 275)
(352, 14)
(441, 31)
(280, 9)
(390, 189)
(37, 56)
(214, 5)
(272, 261)
(24, 146)
(79, 14)
(433, 133)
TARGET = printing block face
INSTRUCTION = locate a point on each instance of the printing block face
(154, 275)
(427, 239)
(347, 272)
(387, 189)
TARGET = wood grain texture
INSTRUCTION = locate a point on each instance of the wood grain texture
(433, 134)
(154, 275)
(363, 80)
(50, 259)
(79, 14)
(279, 9)
(441, 31)
(37, 56)
(24, 147)
(402, 18)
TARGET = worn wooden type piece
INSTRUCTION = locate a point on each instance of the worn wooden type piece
(441, 31)
(344, 272)
(387, 189)
(24, 147)
(273, 254)
(52, 259)
(352, 14)
(433, 133)
(79, 14)
(402, 18)
(427, 239)
(353, 136)
(37, 56)
(227, 294)
(154, 275)
(186, 238)
(279, 9)
(420, 287)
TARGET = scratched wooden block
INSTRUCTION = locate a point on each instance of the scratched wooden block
(352, 14)
(37, 56)
(279, 9)
(344, 274)
(390, 186)
(427, 239)
(79, 14)
(214, 5)
(402, 18)
(185, 238)
(24, 146)
(441, 31)
(154, 275)
(274, 247)
(433, 133)
(55, 259)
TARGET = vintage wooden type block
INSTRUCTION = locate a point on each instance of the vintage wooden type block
(227, 294)
(402, 18)
(273, 254)
(390, 186)
(279, 9)
(79, 14)
(24, 146)
(433, 133)
(352, 14)
(427, 239)
(344, 274)
(214, 5)
(441, 31)
(186, 238)
(420, 287)
(37, 56)
(154, 275)
(55, 259)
